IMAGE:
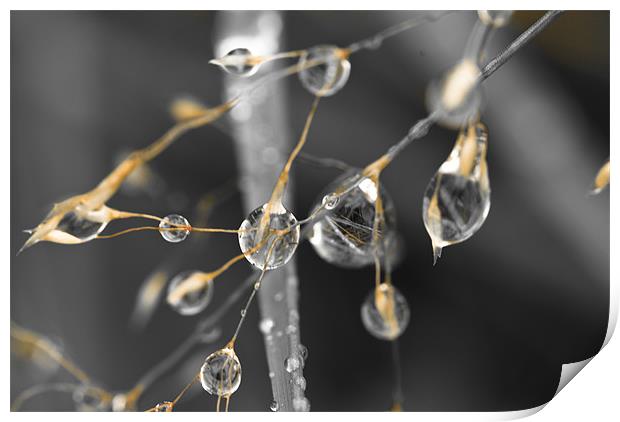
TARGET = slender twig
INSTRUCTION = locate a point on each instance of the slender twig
(519, 43)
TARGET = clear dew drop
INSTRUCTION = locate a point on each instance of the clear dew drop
(301, 404)
(119, 402)
(165, 406)
(303, 352)
(343, 237)
(238, 62)
(82, 226)
(328, 77)
(168, 232)
(385, 312)
(283, 250)
(196, 299)
(272, 374)
(89, 398)
(330, 201)
(266, 325)
(242, 313)
(496, 18)
(274, 406)
(220, 374)
(291, 364)
(458, 197)
(301, 383)
(278, 296)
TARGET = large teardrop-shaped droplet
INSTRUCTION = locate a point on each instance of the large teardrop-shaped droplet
(458, 197)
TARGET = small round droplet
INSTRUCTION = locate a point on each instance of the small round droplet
(284, 247)
(242, 313)
(272, 374)
(303, 352)
(221, 373)
(291, 364)
(89, 398)
(291, 329)
(274, 406)
(343, 237)
(165, 406)
(385, 312)
(330, 201)
(189, 292)
(168, 231)
(496, 18)
(266, 325)
(301, 404)
(238, 62)
(328, 77)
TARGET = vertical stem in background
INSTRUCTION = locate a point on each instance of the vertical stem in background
(263, 141)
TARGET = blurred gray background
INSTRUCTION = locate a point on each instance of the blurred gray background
(491, 323)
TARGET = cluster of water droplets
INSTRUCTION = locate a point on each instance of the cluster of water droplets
(198, 295)
(220, 374)
(343, 236)
(330, 74)
(458, 197)
(385, 312)
(168, 231)
(250, 237)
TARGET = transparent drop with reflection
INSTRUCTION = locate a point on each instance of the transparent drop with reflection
(343, 236)
(81, 226)
(328, 77)
(385, 312)
(458, 197)
(250, 238)
(220, 374)
(195, 300)
(168, 231)
(238, 62)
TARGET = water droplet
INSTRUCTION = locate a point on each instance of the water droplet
(171, 221)
(242, 313)
(119, 403)
(221, 373)
(278, 296)
(190, 292)
(301, 383)
(291, 329)
(330, 201)
(496, 18)
(272, 374)
(285, 247)
(303, 351)
(274, 406)
(266, 325)
(456, 98)
(330, 76)
(301, 404)
(343, 237)
(238, 62)
(83, 226)
(89, 398)
(291, 364)
(458, 197)
(165, 406)
(385, 312)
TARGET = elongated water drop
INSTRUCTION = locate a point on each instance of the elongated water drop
(286, 244)
(343, 237)
(458, 197)
(325, 70)
(238, 62)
